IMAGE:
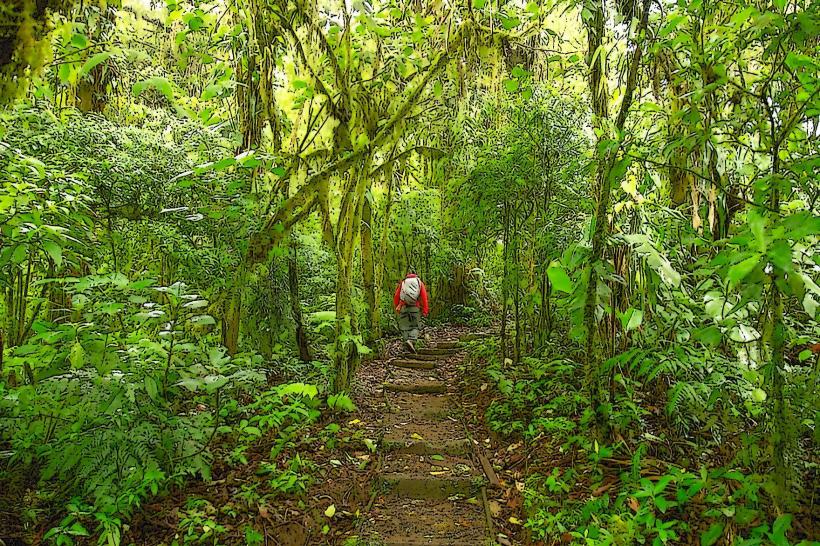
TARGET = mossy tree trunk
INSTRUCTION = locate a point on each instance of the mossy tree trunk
(296, 304)
(232, 311)
(608, 149)
(347, 349)
(369, 273)
(384, 238)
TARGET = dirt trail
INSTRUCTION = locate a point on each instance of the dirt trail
(429, 488)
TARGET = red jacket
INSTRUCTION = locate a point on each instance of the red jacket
(425, 308)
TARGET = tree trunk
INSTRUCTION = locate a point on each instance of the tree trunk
(232, 317)
(600, 108)
(369, 274)
(296, 304)
(607, 155)
(504, 285)
(517, 295)
(779, 438)
(346, 354)
(378, 276)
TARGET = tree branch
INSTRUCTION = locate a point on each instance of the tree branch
(302, 202)
(428, 150)
(632, 77)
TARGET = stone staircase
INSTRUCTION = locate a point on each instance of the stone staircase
(430, 487)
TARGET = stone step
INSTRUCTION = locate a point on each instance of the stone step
(413, 364)
(447, 345)
(436, 351)
(429, 487)
(460, 446)
(420, 387)
(425, 541)
(477, 335)
(423, 406)
(429, 358)
(401, 521)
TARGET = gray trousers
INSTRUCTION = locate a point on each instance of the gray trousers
(409, 323)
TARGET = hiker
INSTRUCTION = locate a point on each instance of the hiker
(410, 294)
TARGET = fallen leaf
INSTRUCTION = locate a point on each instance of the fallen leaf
(515, 502)
(417, 436)
(519, 486)
(515, 521)
(437, 457)
(634, 504)
(601, 490)
(495, 508)
(330, 511)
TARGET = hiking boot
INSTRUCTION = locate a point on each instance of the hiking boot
(410, 346)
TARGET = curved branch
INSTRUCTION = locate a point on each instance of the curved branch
(307, 197)
(422, 150)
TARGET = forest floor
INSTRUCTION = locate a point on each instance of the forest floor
(406, 467)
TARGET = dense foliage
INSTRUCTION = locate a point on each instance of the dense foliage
(205, 207)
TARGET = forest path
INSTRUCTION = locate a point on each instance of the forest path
(429, 488)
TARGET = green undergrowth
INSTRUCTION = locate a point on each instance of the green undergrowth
(134, 396)
(674, 467)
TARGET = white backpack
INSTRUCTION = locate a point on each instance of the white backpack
(410, 291)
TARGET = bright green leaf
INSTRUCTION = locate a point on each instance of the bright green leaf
(742, 269)
(54, 251)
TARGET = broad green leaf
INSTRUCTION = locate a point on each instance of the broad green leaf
(300, 389)
(559, 279)
(19, 254)
(711, 336)
(341, 402)
(213, 383)
(779, 529)
(741, 270)
(223, 164)
(54, 251)
(631, 319)
(157, 82)
(757, 224)
(780, 253)
(711, 535)
(151, 388)
(94, 60)
(64, 72)
(203, 320)
(798, 60)
(211, 90)
(510, 23)
(79, 41)
(76, 356)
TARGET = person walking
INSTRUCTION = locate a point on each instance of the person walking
(409, 300)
